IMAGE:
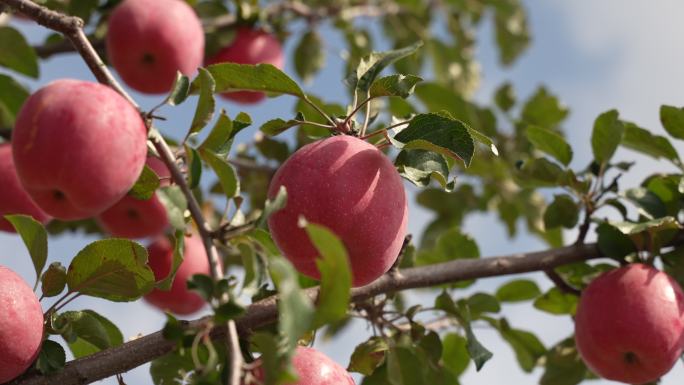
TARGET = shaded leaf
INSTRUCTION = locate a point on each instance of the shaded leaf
(369, 355)
(51, 358)
(518, 290)
(371, 66)
(276, 126)
(435, 132)
(672, 119)
(16, 53)
(12, 97)
(556, 302)
(606, 135)
(563, 211)
(643, 141)
(394, 85)
(224, 171)
(550, 142)
(206, 104)
(146, 185)
(34, 236)
(53, 280)
(419, 166)
(309, 55)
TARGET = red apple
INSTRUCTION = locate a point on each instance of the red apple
(78, 148)
(13, 197)
(21, 325)
(149, 40)
(630, 324)
(315, 368)
(250, 46)
(350, 187)
(179, 299)
(136, 218)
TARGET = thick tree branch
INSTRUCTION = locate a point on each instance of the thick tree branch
(137, 352)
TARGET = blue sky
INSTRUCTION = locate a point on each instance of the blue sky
(594, 55)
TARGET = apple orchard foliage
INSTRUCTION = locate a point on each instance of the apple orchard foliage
(342, 203)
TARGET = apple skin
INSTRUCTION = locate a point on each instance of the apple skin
(136, 218)
(629, 325)
(149, 40)
(350, 187)
(21, 325)
(13, 198)
(179, 300)
(250, 46)
(315, 368)
(78, 148)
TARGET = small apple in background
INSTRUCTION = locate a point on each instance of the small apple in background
(314, 368)
(179, 299)
(629, 325)
(350, 187)
(13, 198)
(21, 325)
(136, 218)
(78, 148)
(250, 46)
(149, 40)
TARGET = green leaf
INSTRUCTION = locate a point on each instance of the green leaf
(82, 9)
(171, 369)
(89, 332)
(479, 303)
(309, 56)
(651, 234)
(261, 77)
(368, 356)
(179, 91)
(419, 166)
(451, 244)
(12, 97)
(175, 203)
(455, 353)
(648, 203)
(478, 353)
(518, 290)
(224, 171)
(672, 119)
(643, 141)
(563, 211)
(564, 366)
(221, 136)
(34, 236)
(336, 276)
(556, 302)
(394, 85)
(544, 109)
(613, 243)
(272, 148)
(512, 31)
(438, 133)
(403, 367)
(606, 136)
(53, 280)
(371, 65)
(227, 311)
(527, 347)
(146, 185)
(541, 172)
(206, 103)
(203, 285)
(51, 358)
(177, 259)
(505, 97)
(113, 269)
(16, 53)
(550, 142)
(275, 126)
(296, 312)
